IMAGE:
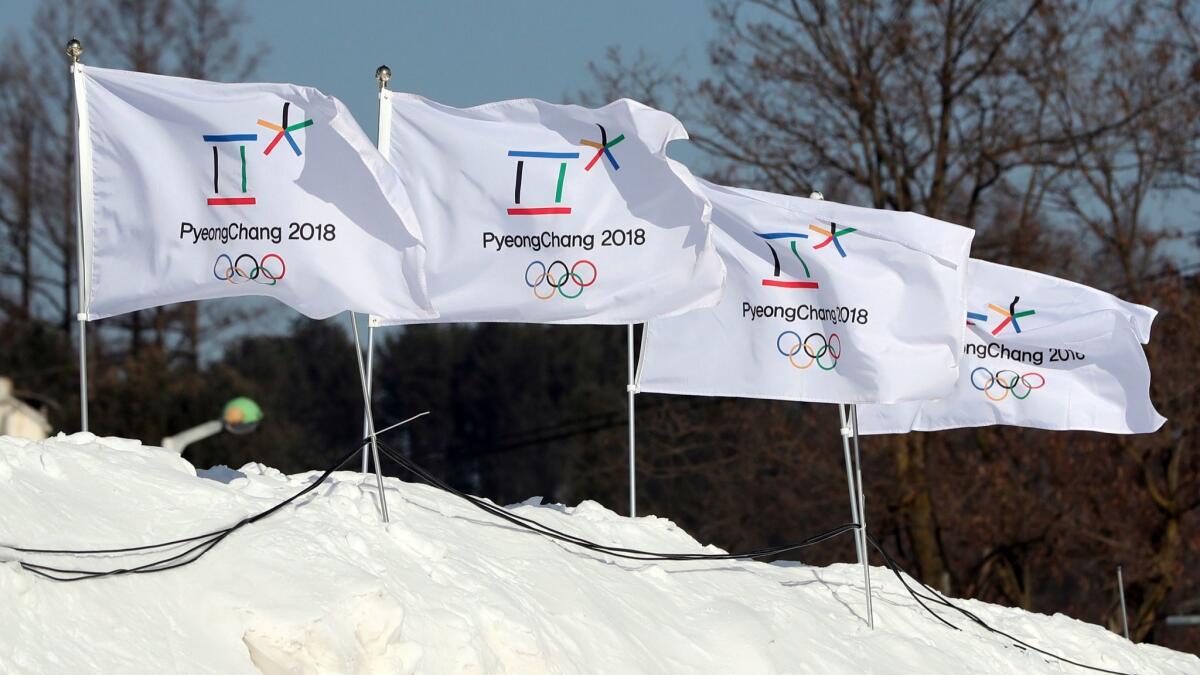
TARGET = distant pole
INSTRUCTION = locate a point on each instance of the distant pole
(370, 382)
(1121, 593)
(362, 377)
(846, 432)
(631, 390)
(82, 142)
(862, 516)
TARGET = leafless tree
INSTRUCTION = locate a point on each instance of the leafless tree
(38, 279)
(1056, 130)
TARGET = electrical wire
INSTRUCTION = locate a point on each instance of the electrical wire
(635, 554)
(939, 599)
(207, 541)
(210, 540)
(615, 551)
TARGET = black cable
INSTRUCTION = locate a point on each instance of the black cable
(636, 554)
(156, 566)
(207, 541)
(615, 551)
(215, 537)
(52, 551)
(942, 600)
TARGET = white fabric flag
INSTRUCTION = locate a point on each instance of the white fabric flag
(824, 302)
(193, 190)
(544, 213)
(1041, 352)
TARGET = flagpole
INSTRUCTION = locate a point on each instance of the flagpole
(631, 390)
(858, 507)
(382, 75)
(862, 516)
(846, 431)
(74, 50)
(370, 382)
(1121, 592)
(362, 378)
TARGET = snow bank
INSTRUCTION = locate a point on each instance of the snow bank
(324, 587)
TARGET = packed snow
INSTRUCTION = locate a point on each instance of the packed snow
(323, 586)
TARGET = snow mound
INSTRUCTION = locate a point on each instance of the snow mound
(324, 587)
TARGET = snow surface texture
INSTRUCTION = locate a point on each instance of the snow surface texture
(324, 587)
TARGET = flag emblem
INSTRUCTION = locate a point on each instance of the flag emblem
(569, 282)
(1008, 316)
(603, 149)
(284, 131)
(1006, 382)
(774, 279)
(825, 351)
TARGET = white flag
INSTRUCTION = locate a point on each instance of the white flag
(194, 190)
(543, 213)
(1041, 352)
(824, 302)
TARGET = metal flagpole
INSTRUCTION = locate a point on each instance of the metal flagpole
(370, 382)
(1124, 614)
(862, 516)
(631, 390)
(82, 142)
(362, 378)
(858, 502)
(382, 75)
(846, 431)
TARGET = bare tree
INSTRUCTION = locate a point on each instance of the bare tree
(1055, 130)
(38, 279)
(20, 180)
(209, 44)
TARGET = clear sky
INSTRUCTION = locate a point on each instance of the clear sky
(458, 52)
(466, 52)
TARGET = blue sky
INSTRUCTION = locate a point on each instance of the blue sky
(464, 53)
(458, 52)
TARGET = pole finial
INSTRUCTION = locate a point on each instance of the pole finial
(383, 74)
(816, 195)
(74, 49)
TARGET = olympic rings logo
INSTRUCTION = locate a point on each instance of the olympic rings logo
(245, 268)
(558, 278)
(1016, 384)
(821, 350)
